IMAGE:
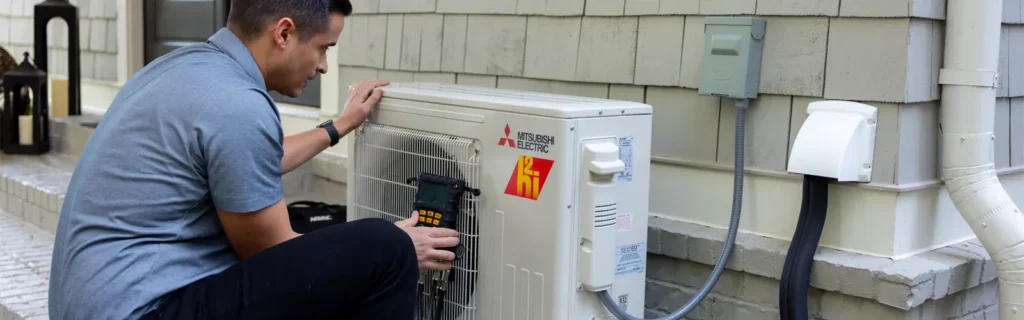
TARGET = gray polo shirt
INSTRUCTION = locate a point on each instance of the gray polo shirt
(193, 131)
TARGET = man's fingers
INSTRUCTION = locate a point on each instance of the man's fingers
(446, 242)
(443, 232)
(443, 255)
(372, 84)
(364, 91)
(377, 93)
(408, 222)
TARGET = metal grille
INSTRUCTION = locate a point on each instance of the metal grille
(385, 157)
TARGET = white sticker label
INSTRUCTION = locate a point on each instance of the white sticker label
(626, 155)
(624, 222)
(624, 301)
(631, 258)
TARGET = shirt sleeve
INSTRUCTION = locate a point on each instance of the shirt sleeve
(241, 143)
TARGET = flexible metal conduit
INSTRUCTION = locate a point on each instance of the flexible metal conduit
(730, 238)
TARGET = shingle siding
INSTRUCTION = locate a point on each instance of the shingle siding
(552, 34)
(865, 59)
(933, 9)
(884, 53)
(887, 54)
(97, 39)
(495, 45)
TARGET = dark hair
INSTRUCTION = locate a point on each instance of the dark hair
(250, 17)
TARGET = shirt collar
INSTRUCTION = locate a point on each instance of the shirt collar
(228, 42)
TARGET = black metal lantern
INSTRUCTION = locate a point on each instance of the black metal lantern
(44, 12)
(23, 108)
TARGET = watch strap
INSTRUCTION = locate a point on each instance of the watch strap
(331, 131)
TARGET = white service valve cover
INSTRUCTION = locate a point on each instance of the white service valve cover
(598, 209)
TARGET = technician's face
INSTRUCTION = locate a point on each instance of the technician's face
(307, 58)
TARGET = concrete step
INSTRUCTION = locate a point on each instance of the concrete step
(32, 187)
(25, 252)
(31, 193)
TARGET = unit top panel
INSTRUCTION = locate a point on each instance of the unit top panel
(515, 101)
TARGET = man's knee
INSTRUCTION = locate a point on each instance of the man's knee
(388, 236)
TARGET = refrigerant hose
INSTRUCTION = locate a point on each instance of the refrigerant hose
(730, 240)
(796, 273)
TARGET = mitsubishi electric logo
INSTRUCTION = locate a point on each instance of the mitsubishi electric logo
(527, 141)
(506, 139)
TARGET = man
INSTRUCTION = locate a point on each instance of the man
(176, 209)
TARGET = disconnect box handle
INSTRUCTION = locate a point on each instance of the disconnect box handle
(598, 209)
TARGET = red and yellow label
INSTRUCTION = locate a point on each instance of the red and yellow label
(528, 177)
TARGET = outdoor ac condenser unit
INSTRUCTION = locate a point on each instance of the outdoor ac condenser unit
(562, 211)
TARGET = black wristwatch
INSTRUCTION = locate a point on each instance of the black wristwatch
(331, 130)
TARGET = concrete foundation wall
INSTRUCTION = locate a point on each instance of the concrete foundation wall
(953, 282)
(739, 295)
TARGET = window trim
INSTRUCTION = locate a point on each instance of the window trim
(138, 56)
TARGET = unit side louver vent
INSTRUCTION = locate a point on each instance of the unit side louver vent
(604, 215)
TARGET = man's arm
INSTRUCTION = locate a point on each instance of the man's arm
(299, 148)
(241, 143)
(252, 232)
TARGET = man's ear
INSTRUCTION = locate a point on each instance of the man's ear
(284, 31)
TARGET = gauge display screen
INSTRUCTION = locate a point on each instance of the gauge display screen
(434, 194)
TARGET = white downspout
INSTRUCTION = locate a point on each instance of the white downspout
(969, 80)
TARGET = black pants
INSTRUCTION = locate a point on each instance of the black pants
(364, 269)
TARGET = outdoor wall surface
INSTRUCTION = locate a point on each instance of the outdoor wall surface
(883, 53)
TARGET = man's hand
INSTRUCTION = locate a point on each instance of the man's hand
(299, 148)
(427, 241)
(362, 98)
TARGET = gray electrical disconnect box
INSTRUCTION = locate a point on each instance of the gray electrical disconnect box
(731, 65)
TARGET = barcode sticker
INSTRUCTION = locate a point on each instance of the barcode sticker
(631, 258)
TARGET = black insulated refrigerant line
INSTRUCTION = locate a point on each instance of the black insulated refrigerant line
(796, 273)
(730, 238)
